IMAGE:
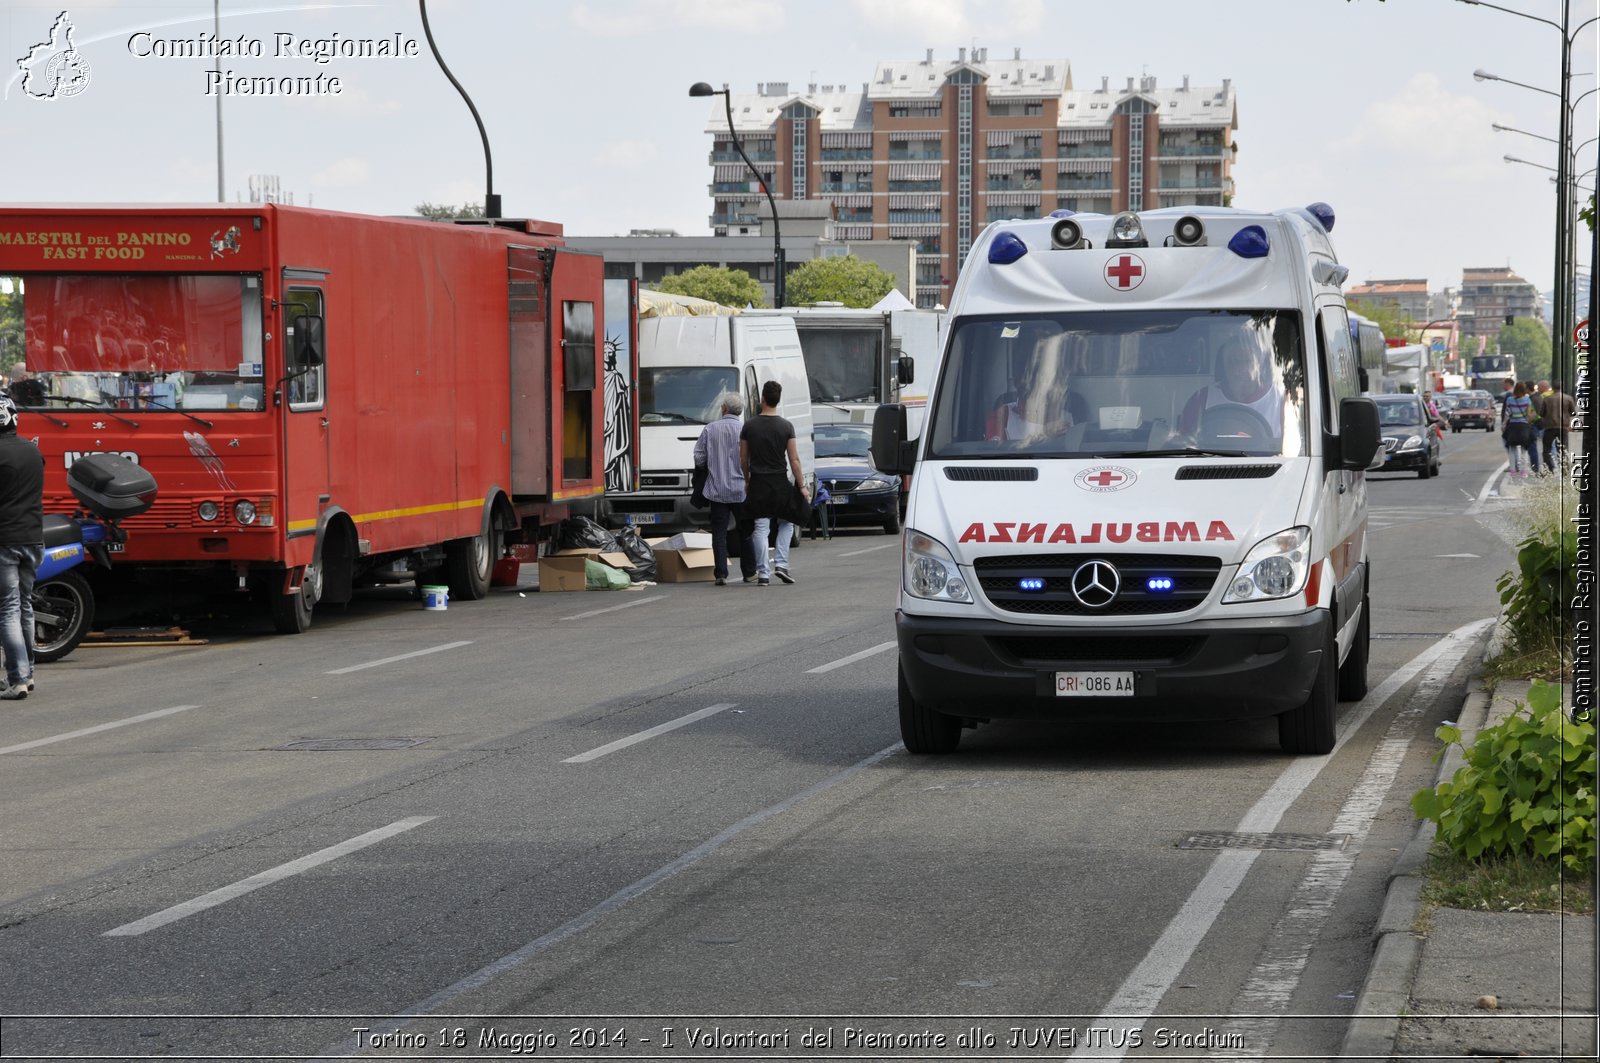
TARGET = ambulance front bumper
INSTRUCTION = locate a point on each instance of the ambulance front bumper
(1200, 670)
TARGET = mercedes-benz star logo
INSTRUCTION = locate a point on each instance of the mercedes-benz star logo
(1095, 583)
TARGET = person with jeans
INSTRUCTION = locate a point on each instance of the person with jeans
(21, 549)
(1517, 432)
(769, 453)
(1559, 410)
(718, 450)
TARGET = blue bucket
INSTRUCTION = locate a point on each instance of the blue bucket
(436, 597)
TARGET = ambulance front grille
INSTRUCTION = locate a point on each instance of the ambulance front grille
(1226, 472)
(1002, 579)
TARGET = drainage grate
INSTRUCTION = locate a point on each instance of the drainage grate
(1256, 840)
(320, 744)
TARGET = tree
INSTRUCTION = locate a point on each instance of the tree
(849, 280)
(1527, 341)
(448, 211)
(730, 287)
(1388, 317)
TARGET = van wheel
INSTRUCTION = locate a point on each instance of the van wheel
(922, 729)
(1353, 672)
(1311, 727)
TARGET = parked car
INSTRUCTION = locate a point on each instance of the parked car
(859, 493)
(1474, 411)
(1409, 441)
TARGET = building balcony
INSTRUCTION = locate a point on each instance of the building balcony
(1190, 151)
(733, 156)
(846, 154)
(919, 155)
(1016, 151)
(844, 186)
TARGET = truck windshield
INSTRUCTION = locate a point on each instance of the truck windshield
(684, 394)
(132, 341)
(842, 364)
(1152, 383)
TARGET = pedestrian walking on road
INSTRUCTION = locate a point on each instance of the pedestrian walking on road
(770, 454)
(1559, 409)
(1517, 431)
(718, 449)
(21, 549)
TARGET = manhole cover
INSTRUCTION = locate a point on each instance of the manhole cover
(1249, 840)
(320, 744)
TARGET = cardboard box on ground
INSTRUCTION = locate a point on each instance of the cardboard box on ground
(564, 571)
(684, 558)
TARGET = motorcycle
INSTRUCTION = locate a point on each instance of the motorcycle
(109, 487)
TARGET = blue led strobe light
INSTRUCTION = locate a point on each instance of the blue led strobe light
(1032, 583)
(1158, 583)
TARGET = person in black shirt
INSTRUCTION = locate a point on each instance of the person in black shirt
(768, 452)
(21, 549)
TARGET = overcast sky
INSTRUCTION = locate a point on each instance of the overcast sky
(1368, 105)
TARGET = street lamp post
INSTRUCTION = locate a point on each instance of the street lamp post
(700, 88)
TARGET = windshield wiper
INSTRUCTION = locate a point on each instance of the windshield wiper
(1181, 452)
(98, 405)
(162, 406)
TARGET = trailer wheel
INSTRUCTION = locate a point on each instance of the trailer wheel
(922, 729)
(470, 562)
(63, 612)
(1311, 728)
(291, 613)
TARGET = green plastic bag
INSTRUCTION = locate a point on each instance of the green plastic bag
(599, 576)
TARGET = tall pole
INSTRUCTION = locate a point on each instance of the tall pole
(216, 23)
(777, 239)
(1561, 335)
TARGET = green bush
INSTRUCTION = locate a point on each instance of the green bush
(1528, 787)
(1533, 594)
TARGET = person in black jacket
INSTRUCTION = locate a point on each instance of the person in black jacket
(768, 452)
(21, 549)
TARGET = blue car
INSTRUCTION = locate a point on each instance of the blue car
(858, 492)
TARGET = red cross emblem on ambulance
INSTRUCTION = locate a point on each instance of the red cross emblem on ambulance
(1103, 478)
(1124, 272)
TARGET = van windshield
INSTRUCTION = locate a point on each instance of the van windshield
(1150, 383)
(684, 394)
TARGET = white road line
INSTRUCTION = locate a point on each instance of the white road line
(400, 657)
(1152, 978)
(614, 608)
(635, 739)
(266, 878)
(1488, 485)
(1268, 992)
(870, 549)
(854, 657)
(578, 924)
(37, 742)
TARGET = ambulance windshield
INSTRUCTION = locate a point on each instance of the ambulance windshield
(1137, 383)
(132, 341)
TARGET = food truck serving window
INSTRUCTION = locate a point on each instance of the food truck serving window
(145, 341)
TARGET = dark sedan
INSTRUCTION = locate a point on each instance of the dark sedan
(858, 492)
(1409, 439)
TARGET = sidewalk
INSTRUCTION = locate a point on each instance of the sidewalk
(1423, 994)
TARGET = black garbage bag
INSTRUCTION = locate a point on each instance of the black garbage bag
(583, 533)
(640, 553)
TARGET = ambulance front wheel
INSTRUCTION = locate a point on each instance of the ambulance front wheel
(1311, 727)
(1353, 672)
(922, 729)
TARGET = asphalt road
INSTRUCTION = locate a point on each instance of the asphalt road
(521, 825)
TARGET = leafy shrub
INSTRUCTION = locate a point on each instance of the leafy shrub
(1528, 787)
(1534, 595)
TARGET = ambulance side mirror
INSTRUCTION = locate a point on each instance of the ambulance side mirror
(1359, 438)
(890, 451)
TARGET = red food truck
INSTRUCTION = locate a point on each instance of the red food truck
(325, 399)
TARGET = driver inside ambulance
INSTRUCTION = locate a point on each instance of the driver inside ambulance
(1244, 378)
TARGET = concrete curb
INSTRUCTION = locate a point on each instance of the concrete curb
(1386, 992)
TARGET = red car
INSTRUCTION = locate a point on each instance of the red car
(1474, 411)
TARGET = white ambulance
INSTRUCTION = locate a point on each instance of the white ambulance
(1140, 491)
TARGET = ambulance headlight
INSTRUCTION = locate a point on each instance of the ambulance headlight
(1276, 567)
(1127, 231)
(931, 571)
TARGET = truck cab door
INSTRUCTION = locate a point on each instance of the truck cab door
(307, 453)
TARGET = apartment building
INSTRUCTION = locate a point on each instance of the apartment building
(1411, 296)
(932, 150)
(1489, 296)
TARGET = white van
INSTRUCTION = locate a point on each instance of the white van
(853, 360)
(1140, 493)
(686, 364)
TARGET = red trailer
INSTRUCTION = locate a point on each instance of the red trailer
(325, 399)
